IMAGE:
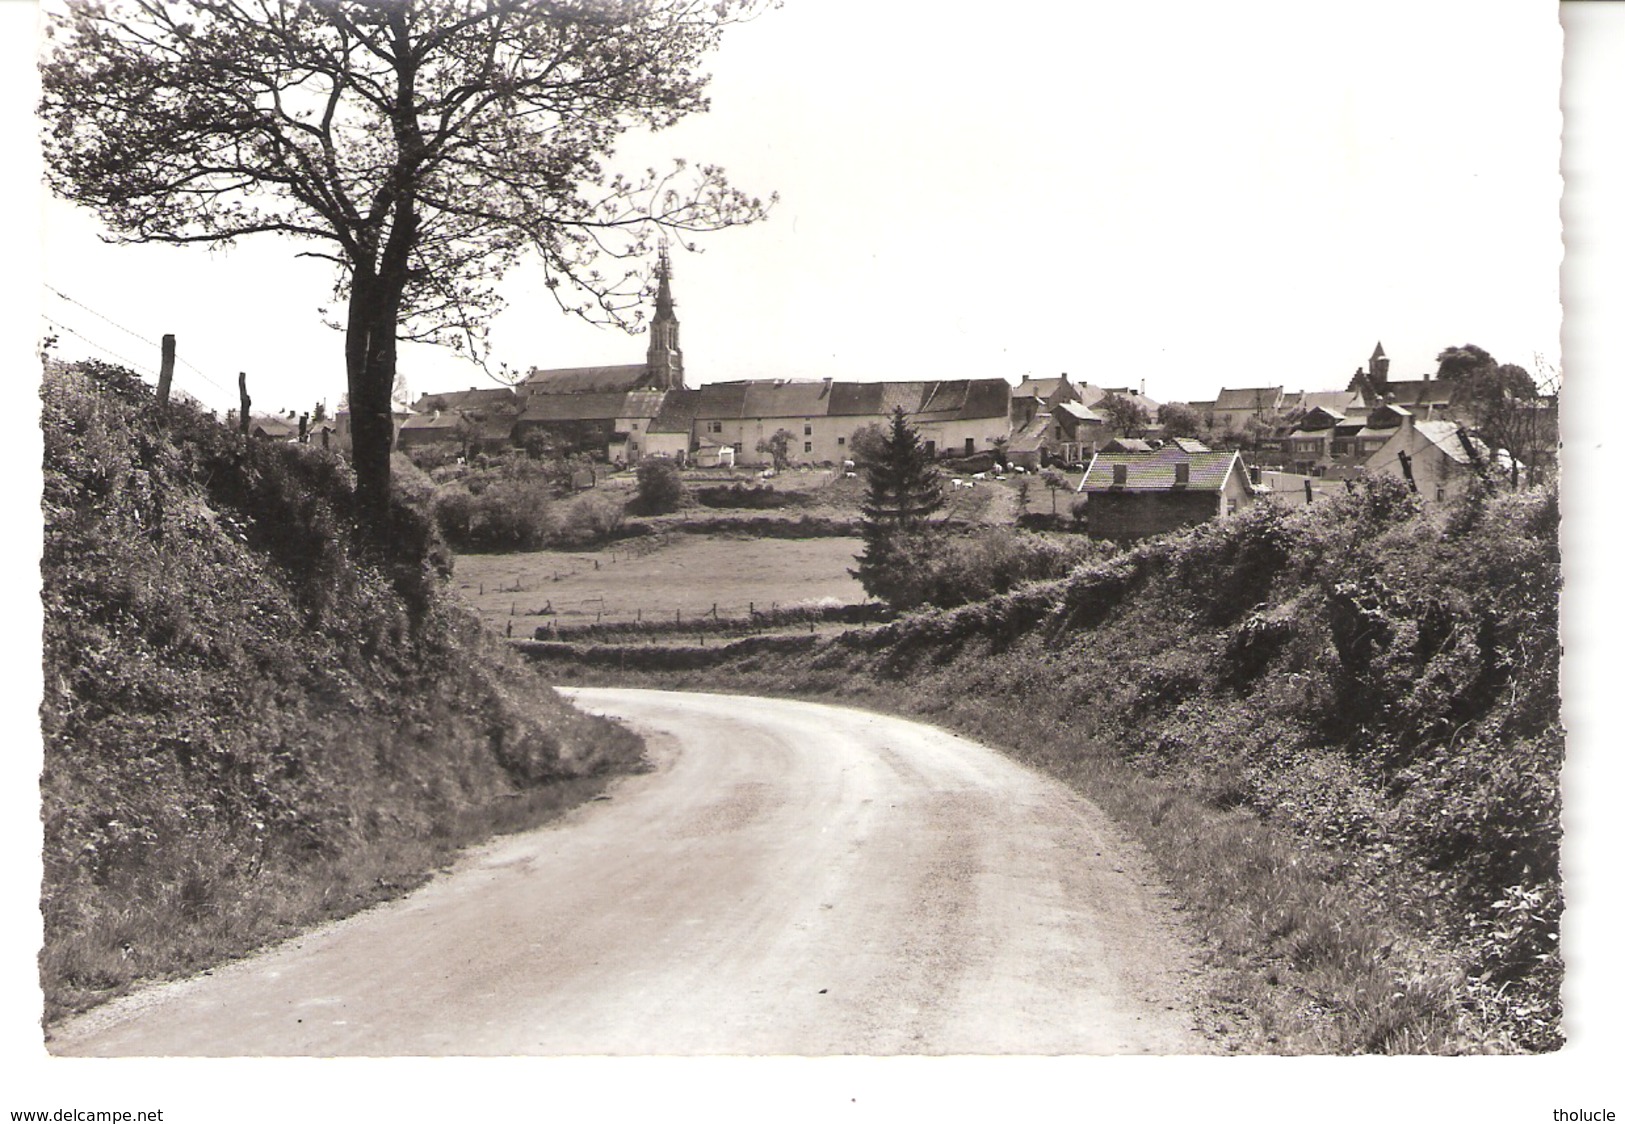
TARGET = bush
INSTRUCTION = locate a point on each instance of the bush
(502, 515)
(593, 519)
(251, 712)
(660, 486)
(945, 569)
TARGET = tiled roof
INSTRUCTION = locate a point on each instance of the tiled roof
(1248, 398)
(1128, 445)
(677, 412)
(474, 398)
(786, 398)
(1338, 401)
(439, 419)
(273, 426)
(574, 407)
(1154, 471)
(1447, 436)
(1030, 437)
(1042, 389)
(1078, 412)
(1414, 393)
(946, 400)
(721, 400)
(584, 380)
(1188, 445)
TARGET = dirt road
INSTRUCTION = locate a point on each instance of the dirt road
(791, 879)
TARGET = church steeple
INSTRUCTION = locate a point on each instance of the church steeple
(665, 354)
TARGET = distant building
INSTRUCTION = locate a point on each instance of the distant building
(1132, 495)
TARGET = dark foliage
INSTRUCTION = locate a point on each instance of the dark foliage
(247, 695)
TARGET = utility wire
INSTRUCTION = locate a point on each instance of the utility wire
(103, 348)
(127, 331)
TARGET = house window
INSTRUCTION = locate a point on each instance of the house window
(714, 427)
(840, 441)
(806, 430)
(806, 446)
(1230, 507)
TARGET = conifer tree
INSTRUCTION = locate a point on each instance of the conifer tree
(903, 491)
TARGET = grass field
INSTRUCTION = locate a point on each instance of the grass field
(687, 573)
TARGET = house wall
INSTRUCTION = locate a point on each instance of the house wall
(827, 440)
(950, 436)
(1133, 515)
(675, 445)
(1438, 477)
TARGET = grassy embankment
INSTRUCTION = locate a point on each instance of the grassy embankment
(1335, 729)
(253, 719)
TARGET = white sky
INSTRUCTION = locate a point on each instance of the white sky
(1190, 194)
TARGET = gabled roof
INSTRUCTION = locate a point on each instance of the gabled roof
(1030, 437)
(786, 398)
(1188, 445)
(474, 398)
(1154, 471)
(574, 407)
(1127, 445)
(1249, 398)
(272, 426)
(435, 419)
(943, 400)
(1419, 393)
(677, 412)
(1041, 389)
(584, 380)
(1336, 401)
(1077, 412)
(1447, 437)
(1320, 417)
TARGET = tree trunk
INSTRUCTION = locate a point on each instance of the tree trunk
(369, 355)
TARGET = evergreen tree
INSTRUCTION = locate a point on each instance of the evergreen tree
(904, 487)
(903, 491)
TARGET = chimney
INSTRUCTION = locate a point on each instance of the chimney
(1182, 473)
(1257, 473)
(1119, 474)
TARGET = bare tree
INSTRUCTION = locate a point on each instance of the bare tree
(421, 146)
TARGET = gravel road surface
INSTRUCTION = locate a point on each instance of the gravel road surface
(792, 878)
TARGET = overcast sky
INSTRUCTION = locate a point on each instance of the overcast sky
(1191, 195)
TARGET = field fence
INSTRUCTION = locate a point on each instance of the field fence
(596, 618)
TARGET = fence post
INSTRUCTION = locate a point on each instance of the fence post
(166, 367)
(242, 394)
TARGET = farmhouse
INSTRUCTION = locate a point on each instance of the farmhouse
(1135, 494)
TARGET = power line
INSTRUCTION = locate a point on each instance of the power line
(127, 331)
(103, 348)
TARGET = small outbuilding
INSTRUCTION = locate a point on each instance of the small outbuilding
(1131, 495)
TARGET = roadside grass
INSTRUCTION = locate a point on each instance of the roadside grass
(196, 915)
(254, 717)
(1298, 956)
(1336, 731)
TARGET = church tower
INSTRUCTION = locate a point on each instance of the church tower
(1379, 367)
(665, 355)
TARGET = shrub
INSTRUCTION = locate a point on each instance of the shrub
(660, 486)
(505, 514)
(593, 519)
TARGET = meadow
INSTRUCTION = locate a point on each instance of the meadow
(656, 578)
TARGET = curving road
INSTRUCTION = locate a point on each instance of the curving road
(791, 879)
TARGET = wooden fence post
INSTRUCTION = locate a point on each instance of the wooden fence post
(242, 394)
(166, 367)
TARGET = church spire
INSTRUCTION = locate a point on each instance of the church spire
(665, 354)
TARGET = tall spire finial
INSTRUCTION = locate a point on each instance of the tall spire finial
(665, 354)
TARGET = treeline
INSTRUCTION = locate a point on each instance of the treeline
(254, 715)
